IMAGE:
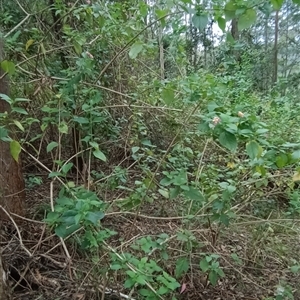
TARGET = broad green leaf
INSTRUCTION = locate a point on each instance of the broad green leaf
(63, 231)
(228, 140)
(296, 155)
(174, 192)
(99, 154)
(213, 277)
(3, 134)
(29, 43)
(277, 4)
(296, 2)
(295, 269)
(143, 8)
(15, 150)
(168, 96)
(77, 48)
(252, 149)
(194, 194)
(163, 290)
(135, 149)
(182, 266)
(63, 128)
(54, 174)
(222, 23)
(66, 168)
(65, 201)
(247, 19)
(51, 146)
(229, 10)
(95, 217)
(81, 120)
(135, 49)
(281, 160)
(8, 66)
(200, 21)
(204, 265)
(160, 13)
(52, 217)
(164, 193)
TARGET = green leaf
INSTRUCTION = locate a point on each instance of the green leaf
(8, 66)
(253, 149)
(281, 160)
(296, 2)
(168, 96)
(95, 217)
(204, 265)
(164, 193)
(54, 174)
(277, 4)
(194, 194)
(63, 128)
(174, 192)
(99, 154)
(222, 23)
(228, 140)
(81, 120)
(135, 49)
(64, 201)
(295, 269)
(77, 48)
(296, 155)
(247, 19)
(213, 277)
(66, 168)
(3, 134)
(182, 266)
(135, 149)
(52, 217)
(63, 231)
(15, 150)
(161, 13)
(19, 125)
(229, 10)
(51, 146)
(29, 43)
(19, 110)
(200, 21)
(6, 98)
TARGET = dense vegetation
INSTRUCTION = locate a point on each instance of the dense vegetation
(160, 147)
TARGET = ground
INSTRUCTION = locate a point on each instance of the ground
(254, 254)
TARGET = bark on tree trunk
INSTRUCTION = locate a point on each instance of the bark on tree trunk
(3, 287)
(276, 47)
(12, 187)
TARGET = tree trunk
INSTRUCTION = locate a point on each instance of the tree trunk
(3, 287)
(236, 36)
(12, 187)
(276, 48)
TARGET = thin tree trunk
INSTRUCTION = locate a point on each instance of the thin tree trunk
(161, 53)
(236, 36)
(275, 74)
(3, 287)
(12, 187)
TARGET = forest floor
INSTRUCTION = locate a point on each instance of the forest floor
(254, 257)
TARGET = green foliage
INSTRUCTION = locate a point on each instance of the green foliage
(210, 265)
(169, 121)
(77, 208)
